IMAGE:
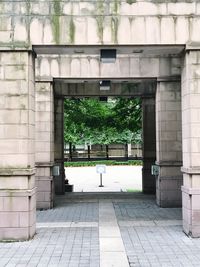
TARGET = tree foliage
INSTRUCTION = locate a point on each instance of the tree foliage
(97, 122)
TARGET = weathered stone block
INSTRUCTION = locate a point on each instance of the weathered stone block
(93, 32)
(36, 31)
(194, 29)
(75, 67)
(79, 32)
(146, 70)
(152, 30)
(9, 219)
(45, 68)
(54, 68)
(17, 72)
(20, 33)
(124, 36)
(5, 36)
(138, 31)
(48, 35)
(181, 8)
(16, 204)
(167, 30)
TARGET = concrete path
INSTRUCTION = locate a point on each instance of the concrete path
(116, 179)
(112, 251)
(126, 230)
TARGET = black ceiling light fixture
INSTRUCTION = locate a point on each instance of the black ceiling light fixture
(108, 55)
(105, 85)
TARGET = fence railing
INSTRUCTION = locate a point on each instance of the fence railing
(102, 152)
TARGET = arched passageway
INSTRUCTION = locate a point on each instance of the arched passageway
(163, 80)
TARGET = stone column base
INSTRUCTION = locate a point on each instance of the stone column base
(45, 188)
(191, 211)
(17, 214)
(168, 186)
(168, 191)
(191, 201)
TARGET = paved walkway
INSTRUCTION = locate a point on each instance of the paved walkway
(116, 179)
(97, 232)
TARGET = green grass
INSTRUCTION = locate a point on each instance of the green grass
(106, 162)
(130, 190)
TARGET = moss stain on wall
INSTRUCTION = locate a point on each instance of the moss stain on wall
(114, 28)
(115, 20)
(116, 6)
(72, 28)
(56, 20)
(28, 7)
(100, 19)
(131, 1)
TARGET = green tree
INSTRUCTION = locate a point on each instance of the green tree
(96, 122)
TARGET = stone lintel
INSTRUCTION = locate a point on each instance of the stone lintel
(17, 171)
(44, 164)
(17, 193)
(17, 49)
(190, 191)
(169, 163)
(48, 79)
(192, 46)
(169, 79)
(191, 170)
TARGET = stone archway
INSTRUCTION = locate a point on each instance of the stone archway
(18, 191)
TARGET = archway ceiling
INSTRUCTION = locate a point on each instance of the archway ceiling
(143, 50)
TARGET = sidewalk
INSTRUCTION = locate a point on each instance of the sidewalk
(117, 232)
(116, 179)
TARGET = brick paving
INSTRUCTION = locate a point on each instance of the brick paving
(69, 236)
(153, 236)
(160, 246)
(144, 209)
(71, 247)
(70, 212)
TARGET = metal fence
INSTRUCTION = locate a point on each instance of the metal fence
(102, 152)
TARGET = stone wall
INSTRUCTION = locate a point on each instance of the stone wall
(17, 146)
(191, 142)
(23, 23)
(44, 144)
(169, 143)
(89, 66)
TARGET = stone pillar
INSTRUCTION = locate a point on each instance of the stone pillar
(59, 181)
(168, 144)
(44, 144)
(149, 145)
(191, 142)
(17, 146)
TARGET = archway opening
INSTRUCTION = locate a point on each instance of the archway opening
(104, 129)
(103, 144)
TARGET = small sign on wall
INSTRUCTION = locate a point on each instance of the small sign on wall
(56, 170)
(155, 170)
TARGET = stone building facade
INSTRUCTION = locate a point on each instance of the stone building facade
(51, 49)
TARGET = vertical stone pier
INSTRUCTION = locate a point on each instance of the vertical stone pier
(191, 141)
(17, 143)
(44, 144)
(59, 144)
(168, 143)
(149, 145)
